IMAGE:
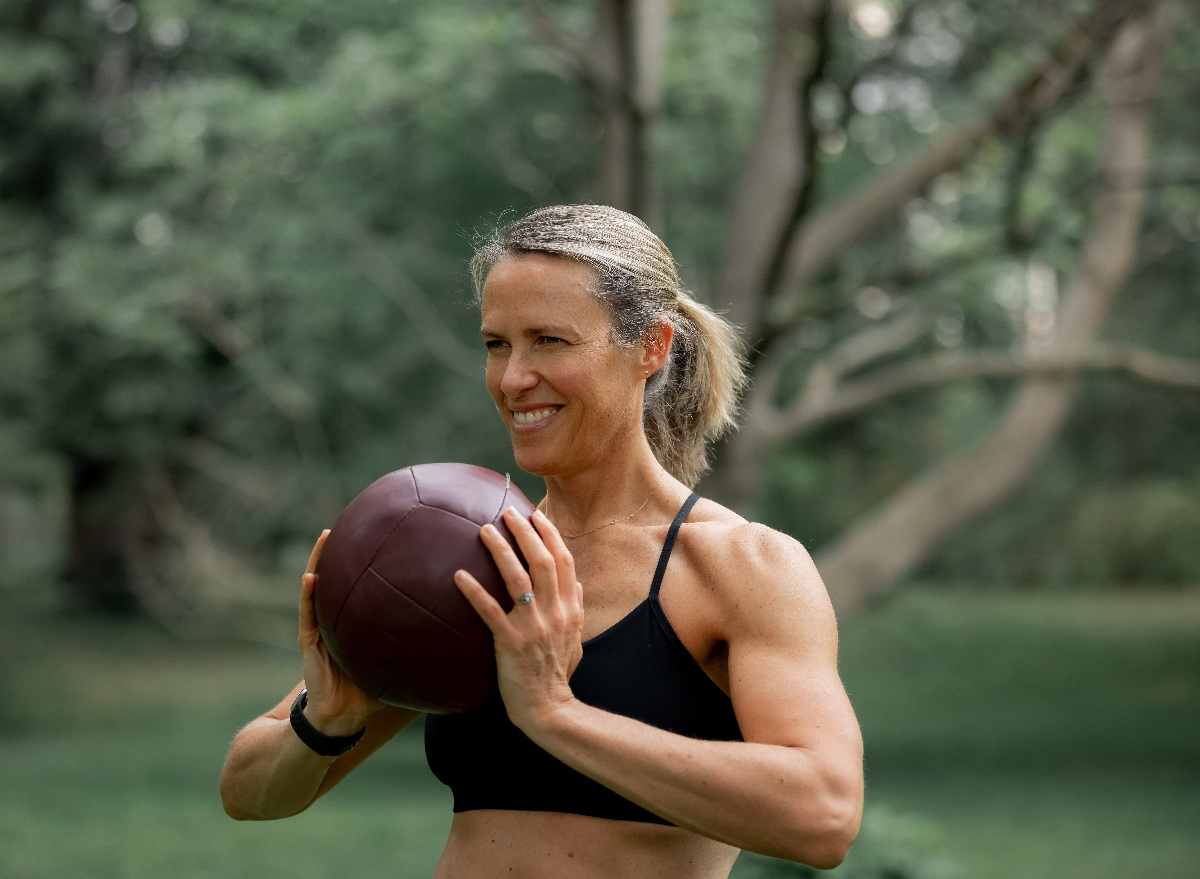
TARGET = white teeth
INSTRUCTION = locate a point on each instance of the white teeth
(532, 417)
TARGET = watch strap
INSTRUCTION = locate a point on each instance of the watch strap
(326, 746)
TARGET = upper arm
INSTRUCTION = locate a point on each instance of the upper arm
(782, 637)
(382, 726)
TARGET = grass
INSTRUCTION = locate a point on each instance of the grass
(1007, 735)
(1039, 735)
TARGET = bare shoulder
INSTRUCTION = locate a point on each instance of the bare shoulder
(763, 581)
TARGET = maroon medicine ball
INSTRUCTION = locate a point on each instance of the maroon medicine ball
(390, 614)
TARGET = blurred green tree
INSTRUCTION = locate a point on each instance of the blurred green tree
(233, 275)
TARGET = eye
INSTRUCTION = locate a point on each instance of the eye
(495, 344)
(551, 340)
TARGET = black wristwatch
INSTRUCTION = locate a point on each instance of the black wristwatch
(326, 746)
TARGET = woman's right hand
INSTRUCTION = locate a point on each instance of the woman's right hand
(336, 706)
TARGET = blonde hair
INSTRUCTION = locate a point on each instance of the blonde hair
(693, 397)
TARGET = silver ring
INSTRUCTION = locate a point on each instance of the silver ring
(527, 598)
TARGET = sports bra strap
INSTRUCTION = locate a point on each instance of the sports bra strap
(669, 544)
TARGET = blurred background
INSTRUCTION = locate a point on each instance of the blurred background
(960, 238)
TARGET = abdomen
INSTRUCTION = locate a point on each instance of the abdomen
(552, 845)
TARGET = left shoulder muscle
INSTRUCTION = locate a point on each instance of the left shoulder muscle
(766, 587)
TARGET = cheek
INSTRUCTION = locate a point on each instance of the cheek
(608, 386)
(591, 374)
(492, 376)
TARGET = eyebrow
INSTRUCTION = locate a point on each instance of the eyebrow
(532, 331)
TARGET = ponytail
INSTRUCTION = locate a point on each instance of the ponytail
(693, 398)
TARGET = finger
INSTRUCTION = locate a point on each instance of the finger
(516, 579)
(316, 552)
(308, 608)
(543, 567)
(480, 599)
(557, 547)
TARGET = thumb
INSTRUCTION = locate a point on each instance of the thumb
(309, 627)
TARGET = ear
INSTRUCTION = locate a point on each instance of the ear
(655, 348)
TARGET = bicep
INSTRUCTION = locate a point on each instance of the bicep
(783, 699)
(783, 675)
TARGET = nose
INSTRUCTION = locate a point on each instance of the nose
(518, 376)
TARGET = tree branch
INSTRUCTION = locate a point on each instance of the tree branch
(859, 395)
(284, 393)
(381, 270)
(765, 425)
(861, 349)
(579, 59)
(821, 240)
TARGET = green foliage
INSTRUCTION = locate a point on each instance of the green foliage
(196, 304)
(233, 241)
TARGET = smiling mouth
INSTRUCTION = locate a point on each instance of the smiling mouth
(532, 417)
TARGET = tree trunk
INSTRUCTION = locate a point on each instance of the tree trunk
(775, 169)
(97, 576)
(877, 551)
(630, 52)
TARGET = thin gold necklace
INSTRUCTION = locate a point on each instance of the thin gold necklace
(653, 491)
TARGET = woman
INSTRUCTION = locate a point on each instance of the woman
(669, 670)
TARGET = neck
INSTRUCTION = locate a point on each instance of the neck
(627, 487)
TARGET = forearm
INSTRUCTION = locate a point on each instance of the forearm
(772, 799)
(270, 773)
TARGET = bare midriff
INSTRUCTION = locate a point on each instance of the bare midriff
(553, 845)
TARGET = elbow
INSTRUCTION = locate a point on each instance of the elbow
(240, 808)
(232, 810)
(830, 851)
(238, 811)
(238, 805)
(822, 840)
(229, 802)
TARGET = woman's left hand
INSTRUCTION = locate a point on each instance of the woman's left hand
(538, 644)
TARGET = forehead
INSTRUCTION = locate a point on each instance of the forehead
(540, 290)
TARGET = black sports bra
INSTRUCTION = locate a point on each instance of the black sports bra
(637, 667)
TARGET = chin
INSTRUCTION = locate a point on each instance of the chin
(535, 462)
